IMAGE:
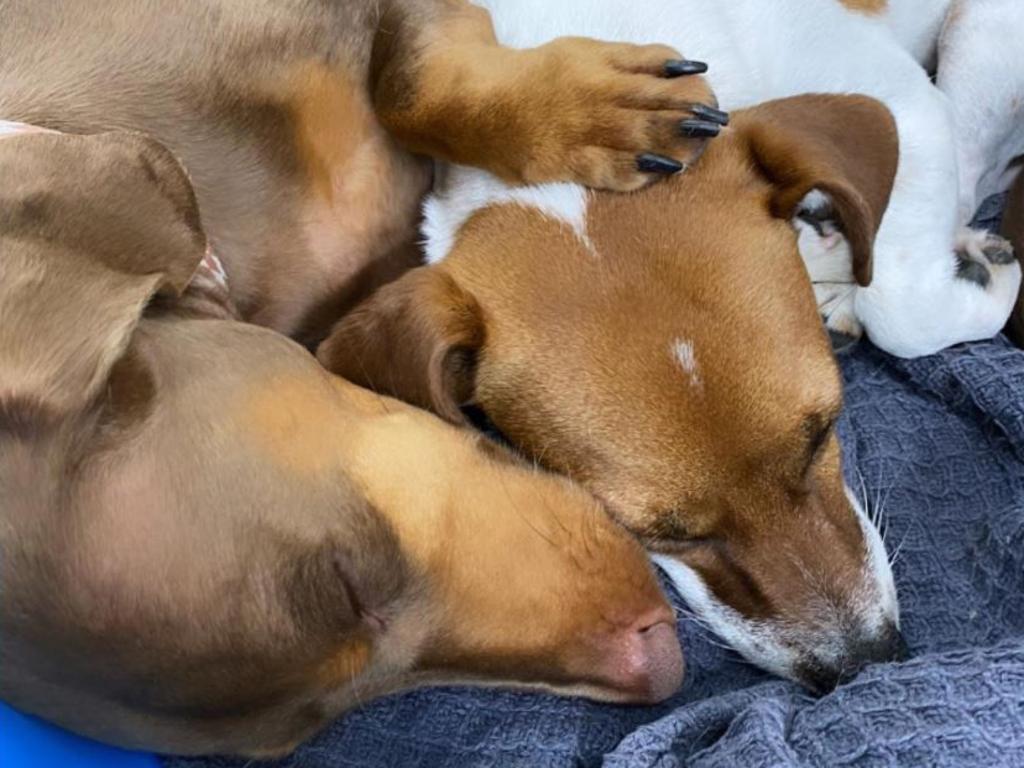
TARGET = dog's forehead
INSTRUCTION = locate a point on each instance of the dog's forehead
(460, 192)
(675, 267)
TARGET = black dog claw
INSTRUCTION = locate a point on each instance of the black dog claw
(681, 67)
(652, 163)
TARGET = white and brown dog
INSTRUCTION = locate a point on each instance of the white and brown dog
(935, 282)
(664, 347)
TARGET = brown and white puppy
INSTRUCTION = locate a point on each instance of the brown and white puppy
(295, 119)
(209, 544)
(664, 349)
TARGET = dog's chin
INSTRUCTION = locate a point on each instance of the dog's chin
(828, 644)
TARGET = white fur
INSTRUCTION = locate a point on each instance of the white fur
(460, 192)
(781, 647)
(915, 25)
(878, 592)
(981, 71)
(759, 51)
(11, 128)
(757, 641)
(686, 357)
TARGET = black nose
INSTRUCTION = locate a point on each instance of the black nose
(886, 647)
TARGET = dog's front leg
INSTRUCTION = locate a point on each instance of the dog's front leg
(606, 115)
(981, 71)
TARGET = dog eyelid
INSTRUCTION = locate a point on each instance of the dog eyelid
(818, 429)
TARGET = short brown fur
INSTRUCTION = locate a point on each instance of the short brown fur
(297, 120)
(209, 544)
(723, 468)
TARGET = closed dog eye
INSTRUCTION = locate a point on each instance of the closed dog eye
(817, 429)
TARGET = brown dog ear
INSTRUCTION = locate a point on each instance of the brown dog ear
(90, 229)
(845, 147)
(415, 339)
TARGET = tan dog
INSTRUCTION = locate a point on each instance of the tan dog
(208, 544)
(664, 349)
(295, 119)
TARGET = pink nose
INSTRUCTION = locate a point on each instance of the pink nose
(645, 662)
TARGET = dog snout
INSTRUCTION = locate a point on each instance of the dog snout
(887, 646)
(644, 660)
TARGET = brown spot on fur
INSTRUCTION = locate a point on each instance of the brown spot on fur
(294, 422)
(345, 664)
(867, 7)
(358, 203)
(331, 121)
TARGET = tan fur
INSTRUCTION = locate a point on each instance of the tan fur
(210, 544)
(867, 7)
(280, 111)
(479, 104)
(576, 364)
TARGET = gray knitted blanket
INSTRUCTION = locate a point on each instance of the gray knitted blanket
(940, 443)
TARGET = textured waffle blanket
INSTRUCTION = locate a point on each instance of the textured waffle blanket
(939, 444)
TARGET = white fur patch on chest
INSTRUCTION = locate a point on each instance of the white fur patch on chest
(460, 192)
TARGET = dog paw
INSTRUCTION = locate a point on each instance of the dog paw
(826, 255)
(613, 116)
(836, 307)
(980, 247)
(986, 260)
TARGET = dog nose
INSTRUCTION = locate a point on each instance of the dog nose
(887, 646)
(644, 661)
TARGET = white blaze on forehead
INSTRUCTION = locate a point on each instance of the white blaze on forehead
(460, 192)
(686, 357)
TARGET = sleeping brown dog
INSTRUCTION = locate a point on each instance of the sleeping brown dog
(296, 120)
(283, 589)
(209, 544)
(664, 349)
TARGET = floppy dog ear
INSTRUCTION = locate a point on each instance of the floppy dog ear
(90, 229)
(844, 147)
(415, 339)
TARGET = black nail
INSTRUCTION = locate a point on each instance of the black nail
(651, 163)
(699, 129)
(705, 112)
(680, 67)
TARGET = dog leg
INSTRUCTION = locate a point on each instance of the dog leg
(935, 284)
(605, 115)
(981, 71)
(938, 302)
(826, 255)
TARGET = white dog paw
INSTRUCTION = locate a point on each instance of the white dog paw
(826, 255)
(836, 307)
(988, 261)
(978, 252)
